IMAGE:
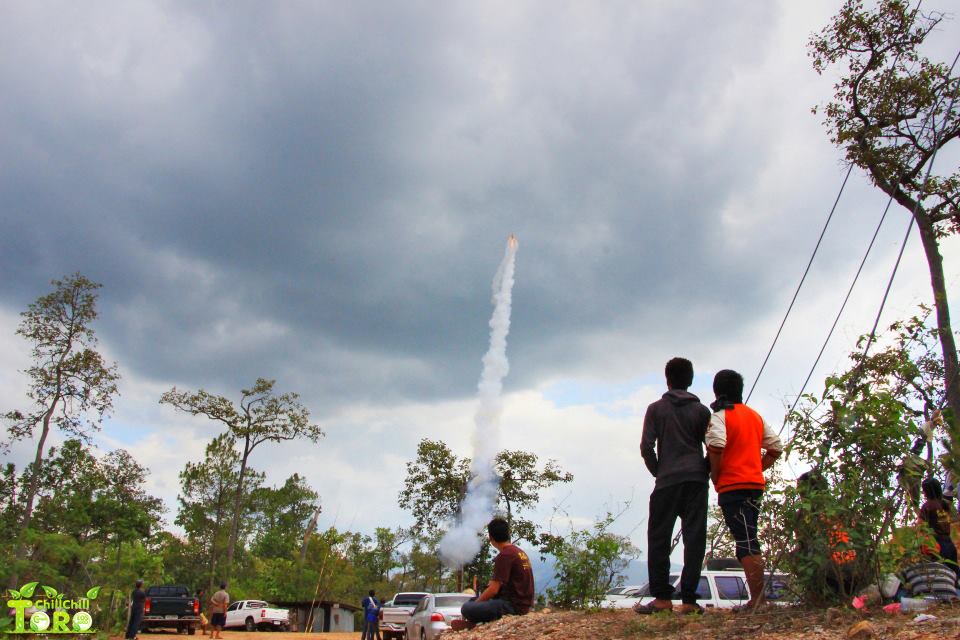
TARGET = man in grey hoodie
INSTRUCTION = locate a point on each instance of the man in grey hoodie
(674, 429)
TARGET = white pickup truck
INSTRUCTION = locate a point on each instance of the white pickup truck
(718, 589)
(256, 614)
(394, 614)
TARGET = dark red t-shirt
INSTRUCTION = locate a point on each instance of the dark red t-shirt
(512, 570)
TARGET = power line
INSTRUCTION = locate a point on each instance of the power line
(836, 320)
(800, 285)
(913, 214)
(807, 270)
(896, 266)
(858, 369)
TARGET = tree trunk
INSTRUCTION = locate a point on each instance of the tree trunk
(238, 499)
(32, 486)
(948, 344)
(38, 458)
(306, 536)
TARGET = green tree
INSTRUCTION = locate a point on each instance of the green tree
(588, 563)
(856, 436)
(95, 499)
(207, 497)
(261, 416)
(436, 482)
(70, 384)
(435, 485)
(92, 525)
(280, 517)
(10, 508)
(892, 111)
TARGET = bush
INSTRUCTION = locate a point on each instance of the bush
(588, 563)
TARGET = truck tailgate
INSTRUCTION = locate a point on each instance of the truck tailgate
(275, 614)
(171, 606)
(397, 615)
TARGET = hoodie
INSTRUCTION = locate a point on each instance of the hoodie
(674, 429)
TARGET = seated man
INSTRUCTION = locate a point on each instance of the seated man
(510, 591)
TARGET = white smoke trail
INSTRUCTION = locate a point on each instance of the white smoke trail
(461, 544)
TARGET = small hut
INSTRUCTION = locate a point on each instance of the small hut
(326, 615)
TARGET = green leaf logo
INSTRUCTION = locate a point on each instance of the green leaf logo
(27, 590)
(92, 594)
(50, 591)
(14, 594)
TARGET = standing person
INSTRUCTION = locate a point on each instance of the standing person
(371, 617)
(218, 607)
(937, 514)
(510, 591)
(204, 621)
(137, 600)
(674, 430)
(742, 445)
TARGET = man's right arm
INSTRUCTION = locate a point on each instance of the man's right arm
(648, 442)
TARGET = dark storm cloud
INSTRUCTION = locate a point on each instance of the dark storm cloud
(320, 192)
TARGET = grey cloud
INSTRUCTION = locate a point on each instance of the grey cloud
(320, 192)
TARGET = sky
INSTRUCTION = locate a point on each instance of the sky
(320, 192)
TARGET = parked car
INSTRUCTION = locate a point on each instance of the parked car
(171, 606)
(718, 589)
(393, 618)
(618, 593)
(257, 614)
(433, 615)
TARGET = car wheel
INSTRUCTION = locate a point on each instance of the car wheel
(191, 630)
(250, 626)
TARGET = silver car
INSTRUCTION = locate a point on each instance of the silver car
(434, 614)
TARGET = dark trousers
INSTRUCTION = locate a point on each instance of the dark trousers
(133, 624)
(487, 611)
(371, 629)
(687, 501)
(948, 551)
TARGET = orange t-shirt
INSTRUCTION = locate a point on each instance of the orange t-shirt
(740, 434)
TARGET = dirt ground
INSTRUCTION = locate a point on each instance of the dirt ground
(777, 624)
(774, 624)
(247, 635)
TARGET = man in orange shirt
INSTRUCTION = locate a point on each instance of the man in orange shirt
(741, 446)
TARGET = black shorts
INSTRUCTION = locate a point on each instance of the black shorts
(218, 620)
(741, 510)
